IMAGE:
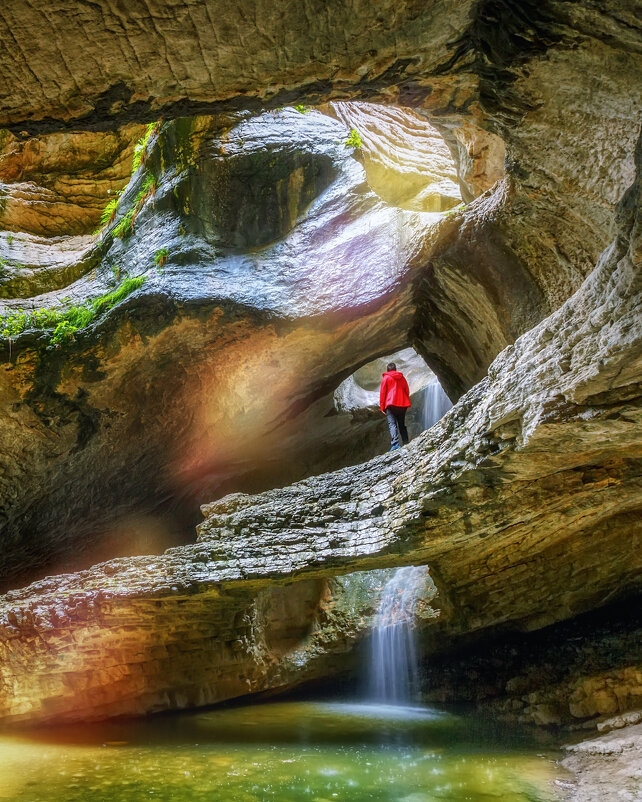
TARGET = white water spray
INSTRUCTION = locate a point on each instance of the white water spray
(393, 651)
(436, 403)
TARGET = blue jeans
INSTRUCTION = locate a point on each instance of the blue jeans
(397, 418)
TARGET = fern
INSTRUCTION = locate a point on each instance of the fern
(140, 148)
(109, 212)
(66, 322)
(160, 257)
(354, 140)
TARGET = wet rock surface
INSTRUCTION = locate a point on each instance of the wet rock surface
(311, 245)
(524, 500)
(514, 478)
(219, 371)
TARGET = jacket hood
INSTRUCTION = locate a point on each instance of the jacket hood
(394, 373)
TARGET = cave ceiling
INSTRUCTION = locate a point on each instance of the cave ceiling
(274, 240)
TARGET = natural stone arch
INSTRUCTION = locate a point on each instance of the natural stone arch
(552, 218)
(487, 497)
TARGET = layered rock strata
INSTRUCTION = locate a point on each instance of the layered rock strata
(546, 85)
(407, 162)
(281, 272)
(538, 465)
(280, 276)
(58, 185)
(581, 673)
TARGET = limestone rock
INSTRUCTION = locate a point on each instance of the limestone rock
(537, 465)
(59, 184)
(549, 85)
(236, 342)
(607, 766)
(407, 162)
(584, 672)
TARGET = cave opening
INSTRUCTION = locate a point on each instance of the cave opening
(223, 220)
(199, 393)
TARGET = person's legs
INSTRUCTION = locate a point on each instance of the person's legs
(399, 416)
(392, 425)
(401, 420)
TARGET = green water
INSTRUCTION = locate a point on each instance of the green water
(291, 752)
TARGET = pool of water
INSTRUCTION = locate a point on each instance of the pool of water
(285, 751)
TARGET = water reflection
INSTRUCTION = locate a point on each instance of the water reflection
(284, 751)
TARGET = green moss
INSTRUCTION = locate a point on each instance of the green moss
(354, 140)
(302, 109)
(105, 302)
(66, 322)
(63, 332)
(456, 209)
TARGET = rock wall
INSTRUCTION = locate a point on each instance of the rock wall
(219, 372)
(58, 185)
(121, 656)
(538, 465)
(583, 673)
(282, 272)
(407, 162)
(221, 57)
(544, 89)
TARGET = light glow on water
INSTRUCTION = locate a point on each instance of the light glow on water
(287, 752)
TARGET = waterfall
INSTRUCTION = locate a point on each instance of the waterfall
(436, 403)
(393, 653)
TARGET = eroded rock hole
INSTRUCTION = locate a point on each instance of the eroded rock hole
(241, 267)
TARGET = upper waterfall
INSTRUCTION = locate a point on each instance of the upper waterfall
(436, 403)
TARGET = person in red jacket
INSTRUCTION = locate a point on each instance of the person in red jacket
(394, 400)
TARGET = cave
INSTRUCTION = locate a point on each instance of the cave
(219, 228)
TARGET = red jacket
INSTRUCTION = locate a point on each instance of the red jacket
(394, 391)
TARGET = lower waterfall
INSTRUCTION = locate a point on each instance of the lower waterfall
(393, 668)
